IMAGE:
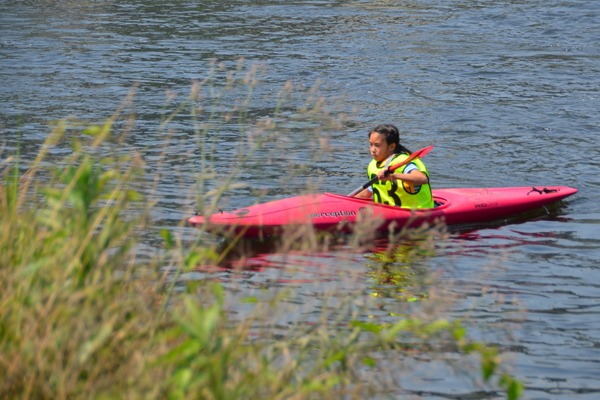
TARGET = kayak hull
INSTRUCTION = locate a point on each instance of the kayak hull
(333, 212)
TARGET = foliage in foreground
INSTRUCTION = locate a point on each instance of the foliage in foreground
(80, 317)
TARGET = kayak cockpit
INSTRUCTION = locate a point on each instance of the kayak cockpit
(439, 202)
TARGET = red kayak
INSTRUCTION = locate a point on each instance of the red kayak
(338, 213)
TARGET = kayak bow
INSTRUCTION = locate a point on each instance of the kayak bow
(334, 212)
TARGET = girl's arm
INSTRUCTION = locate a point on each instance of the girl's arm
(365, 194)
(415, 177)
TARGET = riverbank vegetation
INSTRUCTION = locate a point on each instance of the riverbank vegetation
(83, 316)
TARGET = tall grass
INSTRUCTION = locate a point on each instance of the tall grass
(82, 317)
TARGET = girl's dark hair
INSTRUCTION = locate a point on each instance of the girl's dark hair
(391, 135)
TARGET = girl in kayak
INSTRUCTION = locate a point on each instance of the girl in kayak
(408, 186)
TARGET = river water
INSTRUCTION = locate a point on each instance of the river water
(507, 91)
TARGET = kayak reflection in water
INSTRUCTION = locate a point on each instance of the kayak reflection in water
(400, 271)
(408, 186)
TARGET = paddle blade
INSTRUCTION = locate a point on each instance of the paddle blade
(417, 154)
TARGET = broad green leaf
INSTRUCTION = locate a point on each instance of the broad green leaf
(369, 361)
(166, 234)
(375, 328)
(217, 290)
(92, 130)
(339, 356)
(252, 299)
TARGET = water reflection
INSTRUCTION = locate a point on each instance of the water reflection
(387, 270)
(399, 270)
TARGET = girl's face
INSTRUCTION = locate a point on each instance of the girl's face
(380, 150)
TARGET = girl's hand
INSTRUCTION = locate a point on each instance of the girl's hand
(382, 177)
(415, 177)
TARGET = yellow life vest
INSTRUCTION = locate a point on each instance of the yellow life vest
(397, 192)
